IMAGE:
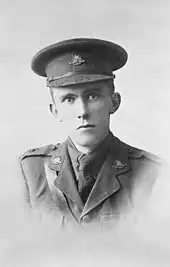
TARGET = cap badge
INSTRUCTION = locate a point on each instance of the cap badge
(119, 165)
(76, 60)
(56, 160)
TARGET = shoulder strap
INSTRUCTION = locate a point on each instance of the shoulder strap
(47, 150)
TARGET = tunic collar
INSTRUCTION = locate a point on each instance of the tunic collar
(93, 159)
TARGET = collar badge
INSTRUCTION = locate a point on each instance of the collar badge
(119, 165)
(76, 60)
(56, 160)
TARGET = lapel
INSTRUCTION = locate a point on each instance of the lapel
(65, 181)
(112, 177)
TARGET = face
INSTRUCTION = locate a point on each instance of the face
(84, 111)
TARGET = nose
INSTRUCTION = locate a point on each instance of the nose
(82, 109)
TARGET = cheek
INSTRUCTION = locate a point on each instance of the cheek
(101, 111)
(64, 113)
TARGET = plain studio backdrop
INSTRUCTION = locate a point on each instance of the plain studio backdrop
(141, 27)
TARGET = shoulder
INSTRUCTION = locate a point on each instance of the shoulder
(141, 155)
(137, 153)
(144, 162)
(46, 150)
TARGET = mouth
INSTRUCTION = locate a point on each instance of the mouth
(86, 126)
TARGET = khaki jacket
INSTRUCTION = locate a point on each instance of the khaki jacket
(124, 182)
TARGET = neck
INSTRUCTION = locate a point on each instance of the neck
(88, 149)
(84, 149)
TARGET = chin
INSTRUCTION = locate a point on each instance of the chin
(86, 139)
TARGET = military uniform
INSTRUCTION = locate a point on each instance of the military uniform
(79, 188)
(51, 182)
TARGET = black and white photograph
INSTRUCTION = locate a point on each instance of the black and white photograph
(85, 165)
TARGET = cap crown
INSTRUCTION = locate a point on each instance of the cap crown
(79, 60)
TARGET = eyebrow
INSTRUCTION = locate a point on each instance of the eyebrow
(93, 90)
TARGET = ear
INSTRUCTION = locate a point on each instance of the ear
(115, 102)
(53, 110)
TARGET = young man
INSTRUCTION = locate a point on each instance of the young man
(92, 176)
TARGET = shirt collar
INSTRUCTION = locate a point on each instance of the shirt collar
(100, 151)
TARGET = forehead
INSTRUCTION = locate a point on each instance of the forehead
(81, 88)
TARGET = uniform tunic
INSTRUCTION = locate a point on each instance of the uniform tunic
(122, 177)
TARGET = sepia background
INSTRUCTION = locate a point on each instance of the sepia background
(141, 27)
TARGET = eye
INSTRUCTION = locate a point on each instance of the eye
(93, 96)
(68, 99)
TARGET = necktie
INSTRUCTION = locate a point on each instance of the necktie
(85, 179)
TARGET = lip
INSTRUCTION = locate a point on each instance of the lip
(86, 126)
